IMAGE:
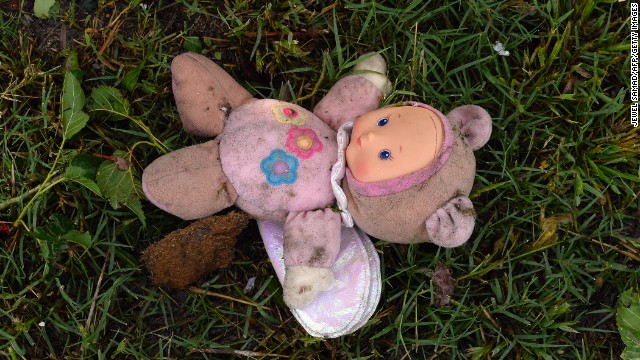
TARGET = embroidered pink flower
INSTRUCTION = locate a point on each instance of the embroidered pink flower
(304, 142)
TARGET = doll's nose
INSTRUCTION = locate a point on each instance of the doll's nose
(368, 136)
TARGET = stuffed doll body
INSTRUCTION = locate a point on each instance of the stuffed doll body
(278, 157)
(274, 160)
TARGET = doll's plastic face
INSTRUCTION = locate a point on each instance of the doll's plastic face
(393, 142)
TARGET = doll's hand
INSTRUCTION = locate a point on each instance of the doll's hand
(452, 224)
(303, 283)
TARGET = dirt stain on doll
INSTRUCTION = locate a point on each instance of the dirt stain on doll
(225, 107)
(318, 256)
(470, 212)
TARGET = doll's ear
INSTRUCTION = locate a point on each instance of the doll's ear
(204, 93)
(189, 182)
(474, 122)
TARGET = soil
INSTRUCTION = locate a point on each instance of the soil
(46, 41)
(606, 335)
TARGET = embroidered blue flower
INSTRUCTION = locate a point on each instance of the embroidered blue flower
(280, 168)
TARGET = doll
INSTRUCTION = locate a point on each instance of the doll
(282, 163)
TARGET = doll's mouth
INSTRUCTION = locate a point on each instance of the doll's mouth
(359, 142)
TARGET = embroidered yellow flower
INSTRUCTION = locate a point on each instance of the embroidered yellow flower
(289, 114)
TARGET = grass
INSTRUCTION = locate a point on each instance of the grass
(556, 190)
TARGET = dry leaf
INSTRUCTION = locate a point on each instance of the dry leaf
(122, 164)
(549, 229)
(443, 284)
(570, 84)
(584, 73)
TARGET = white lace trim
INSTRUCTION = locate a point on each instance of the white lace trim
(338, 170)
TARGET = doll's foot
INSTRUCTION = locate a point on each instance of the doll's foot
(376, 70)
(302, 284)
(452, 224)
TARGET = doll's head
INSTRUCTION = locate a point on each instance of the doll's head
(392, 142)
(397, 147)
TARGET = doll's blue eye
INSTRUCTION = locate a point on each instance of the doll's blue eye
(383, 121)
(385, 155)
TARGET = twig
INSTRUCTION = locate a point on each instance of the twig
(5, 204)
(110, 37)
(114, 25)
(236, 352)
(196, 290)
(92, 309)
(328, 8)
(87, 324)
(12, 179)
(612, 247)
(623, 252)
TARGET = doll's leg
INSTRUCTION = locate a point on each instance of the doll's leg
(452, 224)
(204, 93)
(355, 95)
(311, 245)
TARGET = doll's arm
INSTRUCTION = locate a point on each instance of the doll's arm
(189, 182)
(355, 95)
(311, 245)
(452, 224)
(204, 93)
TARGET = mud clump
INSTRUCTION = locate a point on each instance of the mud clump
(187, 255)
